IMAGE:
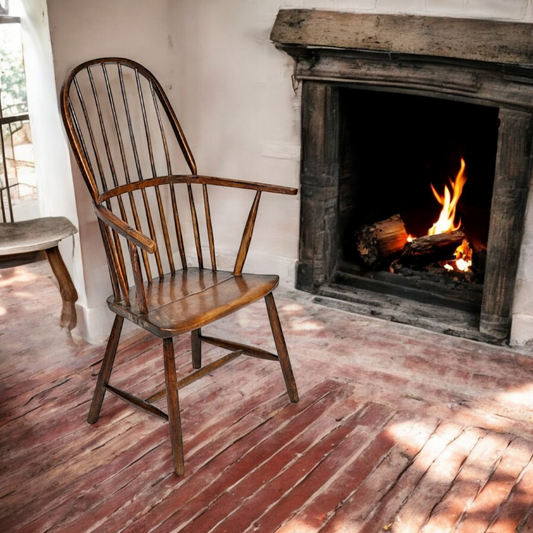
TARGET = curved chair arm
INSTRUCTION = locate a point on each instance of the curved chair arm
(249, 227)
(193, 179)
(260, 187)
(134, 239)
(129, 233)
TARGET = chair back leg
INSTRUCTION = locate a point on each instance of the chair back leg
(105, 370)
(281, 348)
(174, 418)
(196, 348)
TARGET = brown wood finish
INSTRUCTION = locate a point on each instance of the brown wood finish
(174, 417)
(125, 137)
(68, 292)
(204, 180)
(196, 348)
(281, 347)
(144, 405)
(105, 370)
(248, 350)
(247, 236)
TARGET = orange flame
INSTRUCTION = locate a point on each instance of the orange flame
(463, 257)
(448, 200)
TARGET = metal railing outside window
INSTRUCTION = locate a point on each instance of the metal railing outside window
(17, 164)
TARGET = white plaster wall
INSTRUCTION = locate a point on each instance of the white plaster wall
(233, 94)
(79, 31)
(54, 178)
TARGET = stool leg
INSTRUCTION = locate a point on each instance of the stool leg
(196, 347)
(174, 418)
(281, 348)
(67, 290)
(105, 370)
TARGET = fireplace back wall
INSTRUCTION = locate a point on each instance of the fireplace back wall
(395, 146)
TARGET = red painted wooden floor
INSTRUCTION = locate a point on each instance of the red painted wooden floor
(397, 429)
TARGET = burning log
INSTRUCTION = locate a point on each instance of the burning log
(381, 240)
(431, 248)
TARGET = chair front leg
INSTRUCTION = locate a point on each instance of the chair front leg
(105, 370)
(67, 290)
(281, 348)
(174, 418)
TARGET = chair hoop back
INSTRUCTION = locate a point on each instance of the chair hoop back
(136, 163)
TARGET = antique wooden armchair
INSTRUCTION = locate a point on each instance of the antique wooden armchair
(129, 145)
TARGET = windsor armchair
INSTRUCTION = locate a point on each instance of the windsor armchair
(130, 148)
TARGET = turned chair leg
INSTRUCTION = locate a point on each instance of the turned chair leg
(196, 347)
(105, 370)
(174, 418)
(281, 348)
(67, 290)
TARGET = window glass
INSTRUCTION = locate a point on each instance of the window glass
(17, 164)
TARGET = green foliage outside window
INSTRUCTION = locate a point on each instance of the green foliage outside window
(12, 75)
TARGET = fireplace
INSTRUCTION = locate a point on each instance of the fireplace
(390, 105)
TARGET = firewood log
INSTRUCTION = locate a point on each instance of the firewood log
(431, 248)
(381, 240)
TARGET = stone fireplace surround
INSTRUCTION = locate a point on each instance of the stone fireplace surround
(477, 61)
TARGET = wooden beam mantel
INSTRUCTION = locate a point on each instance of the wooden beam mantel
(468, 39)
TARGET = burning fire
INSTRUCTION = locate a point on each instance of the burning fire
(446, 221)
(463, 257)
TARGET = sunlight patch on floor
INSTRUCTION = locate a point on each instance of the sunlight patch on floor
(522, 395)
(306, 325)
(292, 307)
(21, 276)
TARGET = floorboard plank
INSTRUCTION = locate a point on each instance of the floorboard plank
(486, 506)
(474, 475)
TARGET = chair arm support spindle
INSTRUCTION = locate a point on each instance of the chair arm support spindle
(247, 236)
(138, 277)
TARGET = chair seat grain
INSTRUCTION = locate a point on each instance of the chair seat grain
(193, 298)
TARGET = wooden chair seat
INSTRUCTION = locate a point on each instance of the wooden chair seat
(193, 298)
(35, 240)
(156, 222)
(33, 235)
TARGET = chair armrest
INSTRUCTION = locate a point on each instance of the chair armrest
(129, 233)
(263, 187)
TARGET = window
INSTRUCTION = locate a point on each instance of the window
(17, 166)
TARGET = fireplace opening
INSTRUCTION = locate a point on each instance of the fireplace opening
(395, 148)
